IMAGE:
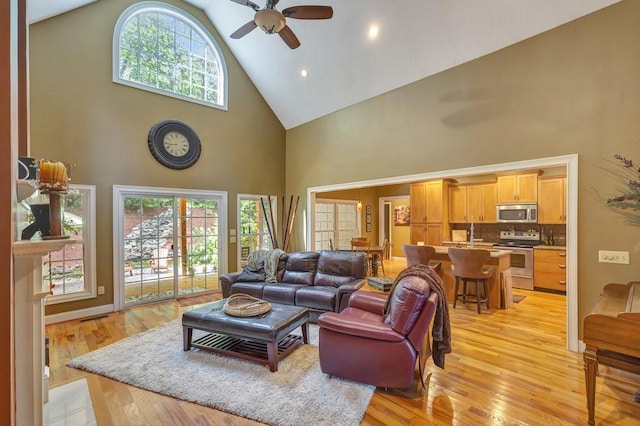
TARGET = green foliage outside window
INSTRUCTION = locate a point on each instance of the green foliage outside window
(160, 50)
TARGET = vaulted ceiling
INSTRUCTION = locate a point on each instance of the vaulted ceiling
(416, 39)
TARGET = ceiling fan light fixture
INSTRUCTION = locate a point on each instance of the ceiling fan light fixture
(270, 21)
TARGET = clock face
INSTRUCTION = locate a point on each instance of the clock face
(174, 144)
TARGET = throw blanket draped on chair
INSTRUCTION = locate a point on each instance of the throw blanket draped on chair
(269, 258)
(441, 331)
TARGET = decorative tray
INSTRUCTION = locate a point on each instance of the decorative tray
(381, 283)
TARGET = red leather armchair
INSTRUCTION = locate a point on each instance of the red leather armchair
(362, 344)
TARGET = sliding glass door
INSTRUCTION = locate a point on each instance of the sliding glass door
(169, 243)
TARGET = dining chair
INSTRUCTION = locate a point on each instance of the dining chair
(362, 246)
(386, 248)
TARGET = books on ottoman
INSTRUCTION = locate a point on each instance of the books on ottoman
(381, 283)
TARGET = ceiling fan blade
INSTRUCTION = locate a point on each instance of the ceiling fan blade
(289, 37)
(248, 3)
(308, 12)
(244, 30)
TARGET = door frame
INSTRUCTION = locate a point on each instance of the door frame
(121, 191)
(570, 162)
(381, 202)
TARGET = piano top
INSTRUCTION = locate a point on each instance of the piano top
(614, 324)
(620, 299)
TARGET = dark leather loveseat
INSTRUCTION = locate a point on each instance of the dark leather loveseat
(321, 281)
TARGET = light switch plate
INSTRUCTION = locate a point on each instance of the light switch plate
(608, 256)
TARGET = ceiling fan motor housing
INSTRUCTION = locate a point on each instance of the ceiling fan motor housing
(270, 20)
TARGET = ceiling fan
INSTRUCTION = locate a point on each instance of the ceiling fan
(271, 21)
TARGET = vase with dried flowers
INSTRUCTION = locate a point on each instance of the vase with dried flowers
(627, 203)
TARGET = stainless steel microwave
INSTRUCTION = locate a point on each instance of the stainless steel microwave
(517, 213)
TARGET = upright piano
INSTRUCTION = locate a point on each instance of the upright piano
(611, 334)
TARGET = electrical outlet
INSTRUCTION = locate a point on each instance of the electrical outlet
(607, 256)
(100, 290)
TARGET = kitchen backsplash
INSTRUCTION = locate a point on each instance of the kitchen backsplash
(490, 232)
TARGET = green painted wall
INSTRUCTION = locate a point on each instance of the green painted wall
(79, 115)
(572, 90)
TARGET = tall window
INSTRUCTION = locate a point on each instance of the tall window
(71, 271)
(161, 48)
(337, 221)
(252, 224)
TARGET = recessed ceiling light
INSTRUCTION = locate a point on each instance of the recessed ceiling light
(304, 73)
(373, 31)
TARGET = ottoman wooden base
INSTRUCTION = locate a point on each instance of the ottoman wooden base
(268, 353)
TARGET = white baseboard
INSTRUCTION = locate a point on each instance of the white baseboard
(80, 313)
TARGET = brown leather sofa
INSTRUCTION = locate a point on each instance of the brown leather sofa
(363, 344)
(321, 281)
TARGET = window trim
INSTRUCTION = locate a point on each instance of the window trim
(89, 255)
(151, 6)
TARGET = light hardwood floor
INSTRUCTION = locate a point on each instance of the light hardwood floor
(508, 367)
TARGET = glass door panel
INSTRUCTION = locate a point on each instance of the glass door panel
(198, 245)
(148, 254)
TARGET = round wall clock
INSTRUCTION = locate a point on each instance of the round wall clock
(174, 144)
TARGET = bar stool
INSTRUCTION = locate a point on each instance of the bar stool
(421, 255)
(469, 265)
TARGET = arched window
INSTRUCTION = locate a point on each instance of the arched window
(160, 48)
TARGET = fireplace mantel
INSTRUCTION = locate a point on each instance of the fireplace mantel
(30, 291)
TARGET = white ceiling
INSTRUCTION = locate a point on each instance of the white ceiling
(417, 38)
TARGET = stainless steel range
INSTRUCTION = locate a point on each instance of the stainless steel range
(521, 244)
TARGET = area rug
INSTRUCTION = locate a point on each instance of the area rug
(517, 298)
(297, 393)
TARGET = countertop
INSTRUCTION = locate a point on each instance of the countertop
(550, 247)
(466, 243)
(494, 253)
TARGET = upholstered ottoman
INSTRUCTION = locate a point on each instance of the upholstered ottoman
(264, 338)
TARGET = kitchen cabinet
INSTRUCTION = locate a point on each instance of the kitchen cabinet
(429, 233)
(552, 194)
(457, 204)
(418, 202)
(481, 203)
(429, 211)
(550, 268)
(472, 201)
(521, 188)
(429, 201)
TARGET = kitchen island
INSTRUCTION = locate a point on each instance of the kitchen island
(501, 262)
